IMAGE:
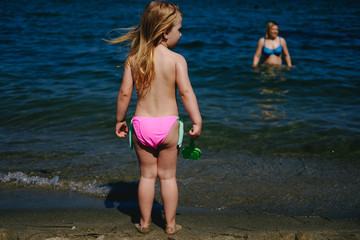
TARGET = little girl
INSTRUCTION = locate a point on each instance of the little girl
(156, 128)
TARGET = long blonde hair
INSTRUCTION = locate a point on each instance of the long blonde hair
(157, 18)
(268, 28)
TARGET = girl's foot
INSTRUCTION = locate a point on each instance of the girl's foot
(142, 229)
(173, 229)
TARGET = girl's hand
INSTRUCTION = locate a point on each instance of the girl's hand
(121, 129)
(195, 132)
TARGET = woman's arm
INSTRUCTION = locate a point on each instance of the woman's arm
(286, 53)
(258, 51)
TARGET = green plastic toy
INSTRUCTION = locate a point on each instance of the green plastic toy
(191, 152)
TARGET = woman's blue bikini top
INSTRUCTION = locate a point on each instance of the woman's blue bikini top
(277, 51)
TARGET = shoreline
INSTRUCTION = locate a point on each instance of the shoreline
(68, 215)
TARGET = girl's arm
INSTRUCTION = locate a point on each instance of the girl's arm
(286, 53)
(123, 102)
(188, 96)
(258, 51)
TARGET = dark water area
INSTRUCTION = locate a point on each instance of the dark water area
(274, 140)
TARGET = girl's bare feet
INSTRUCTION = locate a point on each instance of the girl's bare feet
(142, 229)
(173, 229)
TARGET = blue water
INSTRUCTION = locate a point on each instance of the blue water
(274, 140)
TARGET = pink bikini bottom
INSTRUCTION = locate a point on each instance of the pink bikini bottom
(152, 132)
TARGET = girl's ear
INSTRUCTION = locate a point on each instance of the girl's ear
(165, 35)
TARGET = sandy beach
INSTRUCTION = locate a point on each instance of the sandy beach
(65, 215)
(112, 224)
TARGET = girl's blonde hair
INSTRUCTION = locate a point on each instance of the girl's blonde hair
(268, 28)
(158, 18)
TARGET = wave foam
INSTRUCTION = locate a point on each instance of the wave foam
(88, 187)
(20, 177)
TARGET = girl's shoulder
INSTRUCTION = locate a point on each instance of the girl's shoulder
(130, 60)
(178, 58)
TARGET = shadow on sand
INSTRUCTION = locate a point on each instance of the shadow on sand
(124, 197)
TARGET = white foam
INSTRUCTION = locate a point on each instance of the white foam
(91, 187)
(88, 187)
(20, 177)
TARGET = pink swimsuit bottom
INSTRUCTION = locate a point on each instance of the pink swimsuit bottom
(152, 132)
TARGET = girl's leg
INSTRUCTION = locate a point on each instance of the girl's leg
(148, 175)
(166, 167)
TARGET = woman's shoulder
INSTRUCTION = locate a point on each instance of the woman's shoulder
(261, 41)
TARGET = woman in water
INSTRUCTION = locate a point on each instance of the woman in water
(272, 47)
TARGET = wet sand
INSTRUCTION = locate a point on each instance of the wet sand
(39, 214)
(103, 224)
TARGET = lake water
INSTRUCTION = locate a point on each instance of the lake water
(274, 140)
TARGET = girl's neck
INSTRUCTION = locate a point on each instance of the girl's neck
(163, 43)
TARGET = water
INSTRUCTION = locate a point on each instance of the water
(274, 140)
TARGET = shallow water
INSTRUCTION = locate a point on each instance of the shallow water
(276, 140)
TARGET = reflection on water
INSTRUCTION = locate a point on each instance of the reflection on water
(272, 95)
(272, 72)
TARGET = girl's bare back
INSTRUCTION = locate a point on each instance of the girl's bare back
(160, 100)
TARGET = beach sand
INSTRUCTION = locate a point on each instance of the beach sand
(94, 218)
